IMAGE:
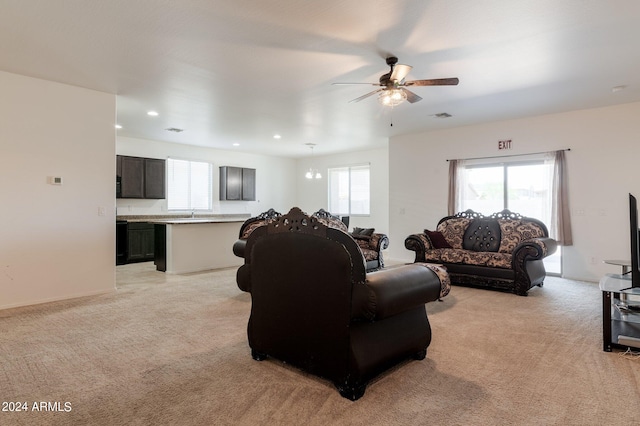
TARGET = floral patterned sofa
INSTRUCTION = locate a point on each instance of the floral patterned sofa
(371, 243)
(503, 251)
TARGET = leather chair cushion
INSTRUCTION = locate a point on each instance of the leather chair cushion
(482, 235)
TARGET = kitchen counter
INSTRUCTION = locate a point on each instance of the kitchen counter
(183, 219)
(189, 220)
(185, 245)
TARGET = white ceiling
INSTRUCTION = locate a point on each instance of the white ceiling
(240, 71)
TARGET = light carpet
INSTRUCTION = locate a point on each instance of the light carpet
(172, 350)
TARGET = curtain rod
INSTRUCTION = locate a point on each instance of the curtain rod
(511, 155)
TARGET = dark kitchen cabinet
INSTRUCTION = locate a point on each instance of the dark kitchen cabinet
(140, 242)
(154, 171)
(160, 255)
(121, 242)
(237, 183)
(249, 184)
(138, 177)
(130, 177)
(230, 183)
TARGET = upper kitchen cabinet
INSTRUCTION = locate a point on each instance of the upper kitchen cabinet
(249, 184)
(154, 170)
(138, 177)
(237, 183)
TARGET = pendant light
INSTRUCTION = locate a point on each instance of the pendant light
(312, 173)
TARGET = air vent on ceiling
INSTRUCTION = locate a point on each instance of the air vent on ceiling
(442, 115)
(174, 129)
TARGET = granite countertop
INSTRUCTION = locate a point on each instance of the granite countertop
(186, 219)
(192, 220)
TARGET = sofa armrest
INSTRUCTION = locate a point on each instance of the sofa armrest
(379, 242)
(392, 291)
(418, 243)
(243, 278)
(238, 247)
(535, 248)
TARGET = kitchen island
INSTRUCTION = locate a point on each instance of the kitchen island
(186, 245)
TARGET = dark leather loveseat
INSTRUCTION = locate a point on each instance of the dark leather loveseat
(503, 251)
(371, 243)
(314, 306)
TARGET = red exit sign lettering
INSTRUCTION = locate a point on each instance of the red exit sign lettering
(506, 144)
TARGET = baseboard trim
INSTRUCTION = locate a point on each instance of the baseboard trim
(57, 299)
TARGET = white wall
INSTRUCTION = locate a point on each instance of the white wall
(312, 194)
(602, 169)
(275, 177)
(53, 242)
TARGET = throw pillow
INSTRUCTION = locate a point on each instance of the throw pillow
(437, 239)
(363, 231)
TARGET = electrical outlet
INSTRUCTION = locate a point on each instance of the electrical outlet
(101, 211)
(54, 180)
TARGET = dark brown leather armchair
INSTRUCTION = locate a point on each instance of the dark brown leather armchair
(314, 306)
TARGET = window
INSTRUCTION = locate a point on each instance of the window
(189, 185)
(520, 187)
(349, 190)
(524, 187)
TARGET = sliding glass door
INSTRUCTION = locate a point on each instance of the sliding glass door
(522, 187)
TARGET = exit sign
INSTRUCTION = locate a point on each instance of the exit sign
(506, 144)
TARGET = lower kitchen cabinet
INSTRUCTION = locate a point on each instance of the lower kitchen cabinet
(121, 242)
(140, 242)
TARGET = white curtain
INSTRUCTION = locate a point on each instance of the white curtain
(458, 185)
(560, 216)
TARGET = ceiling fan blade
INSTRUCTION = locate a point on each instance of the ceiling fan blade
(411, 97)
(348, 84)
(365, 96)
(400, 72)
(434, 82)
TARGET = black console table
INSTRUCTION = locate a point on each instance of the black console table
(620, 313)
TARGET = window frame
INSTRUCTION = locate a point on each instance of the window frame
(505, 164)
(505, 175)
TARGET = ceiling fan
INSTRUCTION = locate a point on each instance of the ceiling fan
(394, 90)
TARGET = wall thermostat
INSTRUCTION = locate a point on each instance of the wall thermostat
(55, 180)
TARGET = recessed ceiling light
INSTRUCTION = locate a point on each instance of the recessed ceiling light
(118, 126)
(618, 88)
(276, 136)
(236, 144)
(152, 113)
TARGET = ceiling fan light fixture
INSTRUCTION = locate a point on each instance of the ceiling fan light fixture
(392, 97)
